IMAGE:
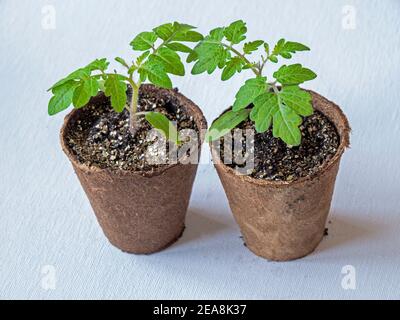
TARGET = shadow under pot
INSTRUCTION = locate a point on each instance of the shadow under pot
(140, 211)
(285, 220)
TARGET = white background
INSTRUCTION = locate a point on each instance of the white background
(45, 218)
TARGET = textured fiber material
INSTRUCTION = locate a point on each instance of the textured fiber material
(285, 220)
(139, 212)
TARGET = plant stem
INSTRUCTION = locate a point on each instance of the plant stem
(133, 108)
(243, 57)
(274, 87)
(264, 61)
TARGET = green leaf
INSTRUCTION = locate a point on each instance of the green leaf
(193, 56)
(156, 74)
(233, 66)
(164, 125)
(286, 48)
(265, 106)
(80, 74)
(226, 123)
(98, 64)
(235, 32)
(62, 97)
(273, 59)
(249, 47)
(116, 88)
(224, 59)
(176, 46)
(189, 36)
(210, 55)
(216, 34)
(144, 41)
(84, 91)
(266, 48)
(249, 91)
(122, 62)
(177, 32)
(286, 125)
(165, 31)
(297, 99)
(170, 60)
(294, 74)
(142, 57)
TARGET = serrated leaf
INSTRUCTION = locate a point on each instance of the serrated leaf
(164, 125)
(297, 99)
(225, 57)
(156, 74)
(80, 74)
(294, 74)
(62, 97)
(142, 57)
(193, 56)
(177, 32)
(98, 64)
(176, 46)
(144, 41)
(210, 55)
(249, 91)
(236, 32)
(286, 48)
(226, 123)
(265, 106)
(164, 31)
(170, 61)
(249, 47)
(116, 88)
(84, 91)
(122, 62)
(216, 34)
(234, 65)
(286, 125)
(188, 36)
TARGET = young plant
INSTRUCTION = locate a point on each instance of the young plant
(280, 102)
(159, 57)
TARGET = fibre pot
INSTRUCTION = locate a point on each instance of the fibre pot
(139, 212)
(282, 220)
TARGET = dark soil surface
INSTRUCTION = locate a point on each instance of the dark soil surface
(102, 137)
(274, 160)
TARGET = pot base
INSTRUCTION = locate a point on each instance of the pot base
(280, 258)
(149, 252)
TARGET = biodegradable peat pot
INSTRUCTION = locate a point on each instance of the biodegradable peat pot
(282, 220)
(139, 212)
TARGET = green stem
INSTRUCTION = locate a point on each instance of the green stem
(264, 61)
(243, 57)
(133, 107)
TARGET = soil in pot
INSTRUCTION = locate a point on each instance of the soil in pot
(102, 137)
(274, 160)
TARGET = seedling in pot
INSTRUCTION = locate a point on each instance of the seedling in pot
(280, 102)
(158, 59)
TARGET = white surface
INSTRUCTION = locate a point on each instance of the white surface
(45, 218)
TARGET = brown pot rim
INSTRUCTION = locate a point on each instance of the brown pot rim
(344, 144)
(184, 101)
